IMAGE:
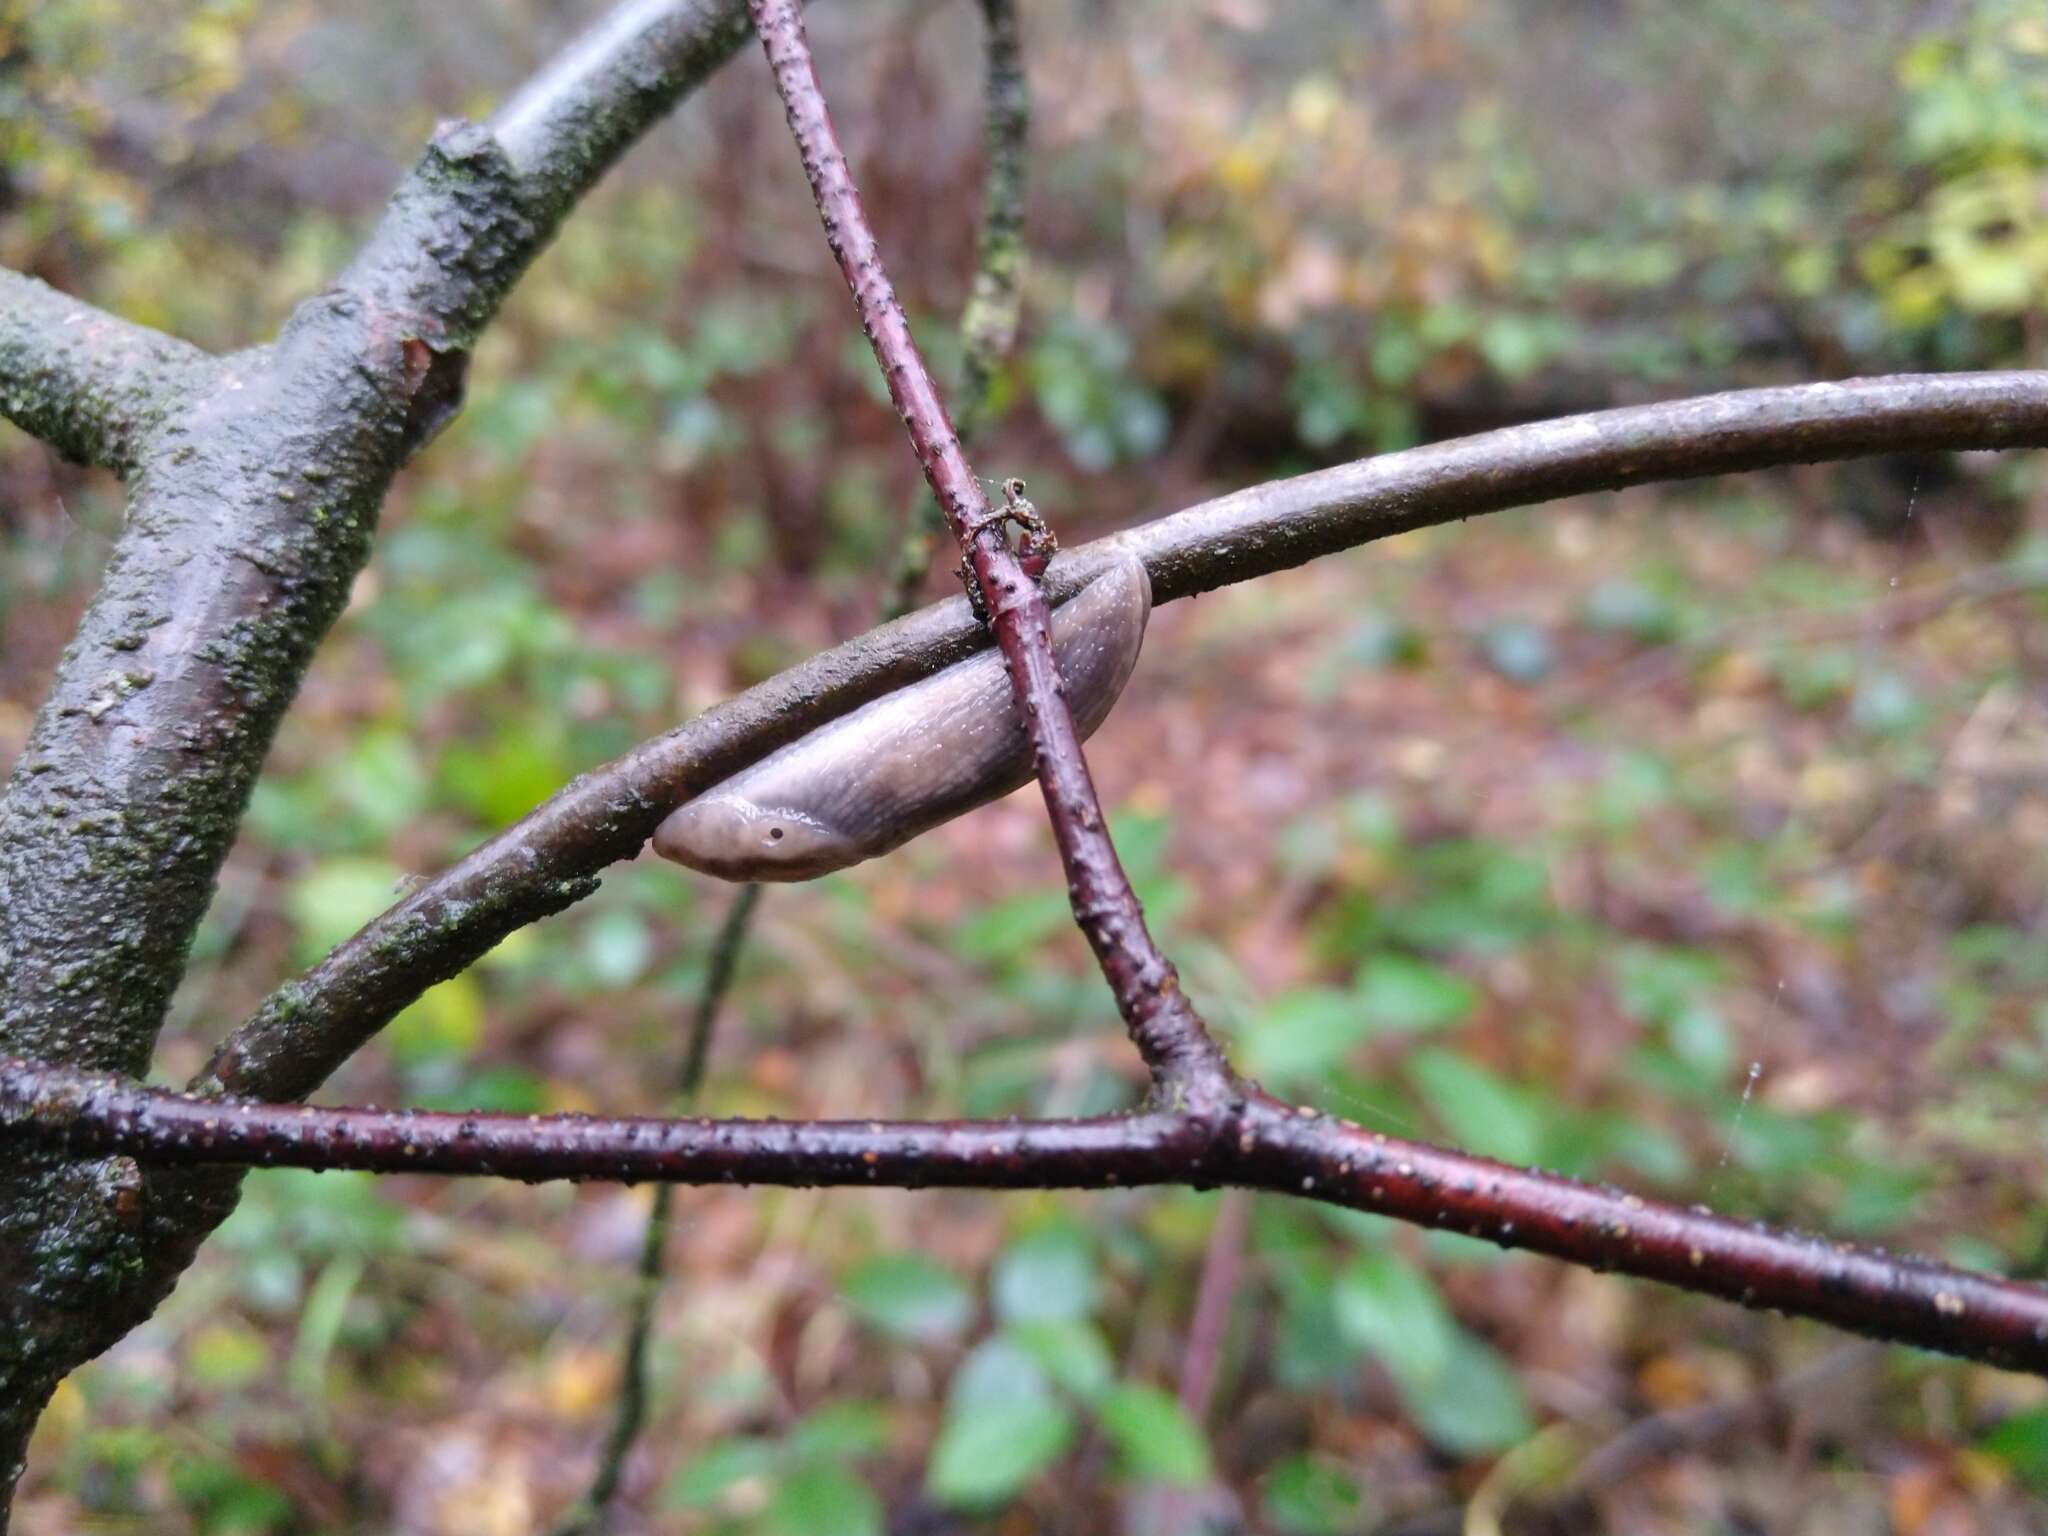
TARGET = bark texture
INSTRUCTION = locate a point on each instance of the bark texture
(254, 486)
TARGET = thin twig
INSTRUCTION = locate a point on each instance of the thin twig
(995, 296)
(1221, 1262)
(1893, 612)
(1185, 1063)
(1257, 1142)
(1659, 1434)
(550, 859)
(988, 326)
(594, 1513)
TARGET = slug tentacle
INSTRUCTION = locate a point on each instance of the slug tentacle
(879, 775)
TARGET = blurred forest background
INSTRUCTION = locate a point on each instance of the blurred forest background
(1694, 837)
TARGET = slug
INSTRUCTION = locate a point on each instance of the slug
(876, 777)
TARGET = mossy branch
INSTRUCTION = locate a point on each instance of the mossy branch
(995, 294)
(90, 384)
(255, 484)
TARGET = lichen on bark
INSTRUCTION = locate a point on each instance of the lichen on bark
(254, 487)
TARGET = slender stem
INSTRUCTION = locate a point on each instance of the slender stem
(986, 336)
(1185, 1063)
(988, 325)
(1221, 1262)
(1694, 1425)
(995, 295)
(595, 1511)
(88, 383)
(718, 974)
(549, 860)
(1256, 1142)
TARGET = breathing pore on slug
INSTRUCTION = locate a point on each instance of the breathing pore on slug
(876, 777)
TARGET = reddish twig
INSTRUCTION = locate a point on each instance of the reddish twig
(1184, 1060)
(1254, 1142)
(1221, 1262)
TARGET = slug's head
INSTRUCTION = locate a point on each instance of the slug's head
(735, 839)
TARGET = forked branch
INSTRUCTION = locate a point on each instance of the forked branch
(1183, 1059)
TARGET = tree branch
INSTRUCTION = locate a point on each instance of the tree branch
(1185, 1062)
(565, 126)
(91, 385)
(252, 507)
(1257, 1142)
(549, 860)
(1217, 1289)
(986, 339)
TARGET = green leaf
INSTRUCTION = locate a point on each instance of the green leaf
(841, 1432)
(1010, 930)
(321, 1214)
(1621, 606)
(1773, 1143)
(1312, 1496)
(508, 1090)
(1392, 1308)
(1485, 1114)
(446, 1023)
(1700, 1037)
(2021, 1442)
(502, 780)
(1048, 1275)
(1886, 703)
(226, 1501)
(997, 1370)
(320, 1325)
(617, 947)
(909, 1295)
(1072, 1352)
(1309, 1350)
(1471, 894)
(1401, 992)
(1520, 651)
(1303, 1033)
(1473, 1406)
(226, 1356)
(1154, 1438)
(335, 897)
(1656, 984)
(824, 1499)
(986, 1453)
(706, 1479)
